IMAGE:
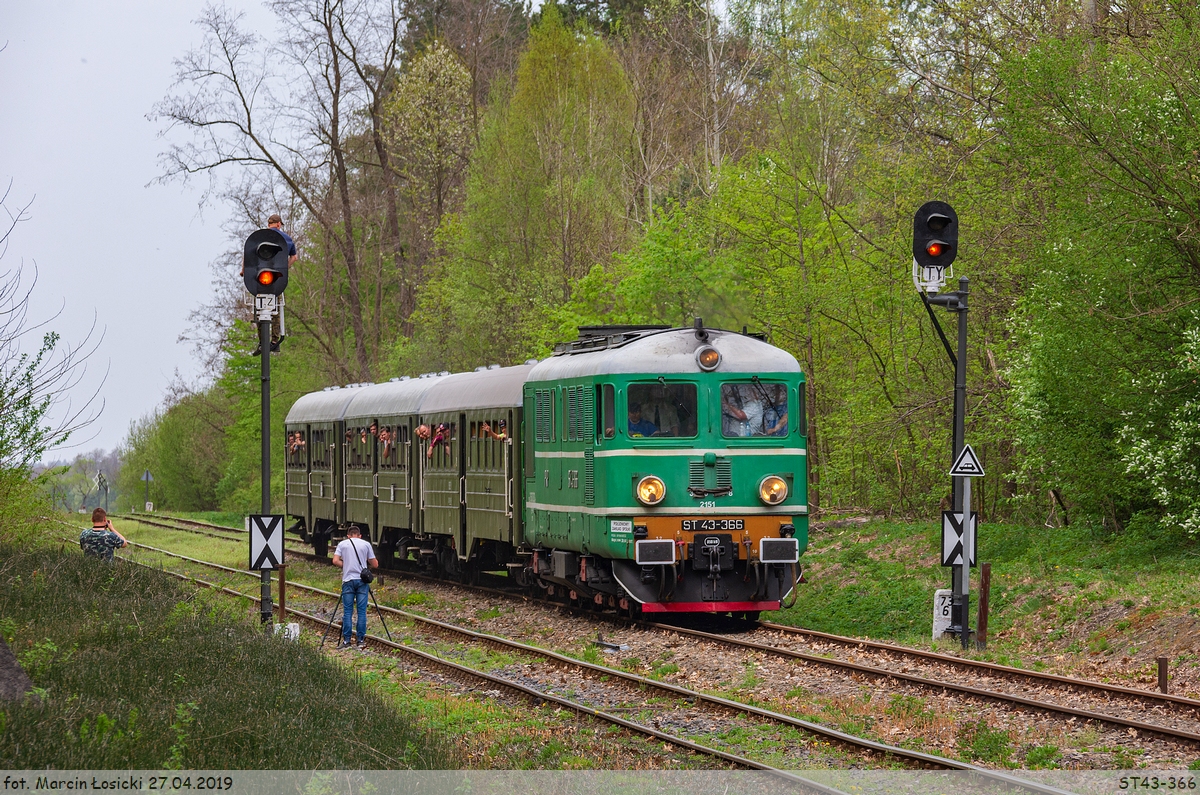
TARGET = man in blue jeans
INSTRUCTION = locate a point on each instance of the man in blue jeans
(354, 555)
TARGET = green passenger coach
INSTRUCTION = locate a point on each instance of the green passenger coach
(646, 469)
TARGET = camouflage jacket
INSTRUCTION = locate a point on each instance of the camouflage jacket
(99, 543)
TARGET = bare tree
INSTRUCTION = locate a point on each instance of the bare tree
(36, 410)
(298, 120)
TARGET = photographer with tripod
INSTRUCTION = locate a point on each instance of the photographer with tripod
(354, 555)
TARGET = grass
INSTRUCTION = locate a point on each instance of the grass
(978, 742)
(136, 670)
(223, 518)
(877, 580)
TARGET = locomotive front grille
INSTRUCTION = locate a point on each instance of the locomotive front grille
(710, 480)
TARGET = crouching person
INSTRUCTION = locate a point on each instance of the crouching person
(102, 538)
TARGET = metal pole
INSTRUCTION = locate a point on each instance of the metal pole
(965, 573)
(264, 345)
(958, 615)
(282, 593)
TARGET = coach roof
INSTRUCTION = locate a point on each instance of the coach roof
(484, 389)
(667, 352)
(326, 406)
(391, 398)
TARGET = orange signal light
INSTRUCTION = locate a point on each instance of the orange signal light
(935, 248)
(265, 278)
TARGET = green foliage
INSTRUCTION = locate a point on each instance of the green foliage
(23, 498)
(25, 430)
(545, 203)
(1105, 381)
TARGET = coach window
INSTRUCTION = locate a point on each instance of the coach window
(388, 457)
(661, 410)
(400, 441)
(320, 450)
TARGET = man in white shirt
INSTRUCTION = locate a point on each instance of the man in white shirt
(354, 555)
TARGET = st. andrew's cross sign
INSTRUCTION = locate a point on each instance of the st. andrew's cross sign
(266, 541)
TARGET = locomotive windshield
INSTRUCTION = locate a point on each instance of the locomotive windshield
(662, 410)
(755, 409)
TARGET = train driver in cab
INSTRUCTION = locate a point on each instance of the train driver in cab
(637, 425)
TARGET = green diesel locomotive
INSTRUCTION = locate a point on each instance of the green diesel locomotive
(641, 468)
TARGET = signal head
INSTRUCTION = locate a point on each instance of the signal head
(265, 262)
(935, 235)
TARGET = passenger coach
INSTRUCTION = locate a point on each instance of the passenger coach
(641, 468)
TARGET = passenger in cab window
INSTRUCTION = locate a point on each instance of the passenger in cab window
(776, 416)
(486, 428)
(637, 425)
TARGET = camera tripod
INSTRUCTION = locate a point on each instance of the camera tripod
(340, 603)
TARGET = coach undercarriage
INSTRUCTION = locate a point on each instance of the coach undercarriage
(703, 581)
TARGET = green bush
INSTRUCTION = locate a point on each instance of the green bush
(137, 670)
(979, 742)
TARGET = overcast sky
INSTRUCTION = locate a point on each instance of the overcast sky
(77, 79)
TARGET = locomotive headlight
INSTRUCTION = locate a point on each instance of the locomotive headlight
(772, 490)
(708, 358)
(650, 490)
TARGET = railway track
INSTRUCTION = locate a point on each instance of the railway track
(463, 673)
(636, 682)
(192, 526)
(899, 663)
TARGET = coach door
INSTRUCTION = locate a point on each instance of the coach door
(359, 455)
(488, 472)
(443, 479)
(392, 478)
(296, 468)
(322, 447)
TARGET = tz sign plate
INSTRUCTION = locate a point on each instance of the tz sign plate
(266, 303)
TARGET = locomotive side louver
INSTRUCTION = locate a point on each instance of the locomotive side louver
(589, 478)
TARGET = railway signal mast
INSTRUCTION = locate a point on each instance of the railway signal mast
(265, 272)
(935, 246)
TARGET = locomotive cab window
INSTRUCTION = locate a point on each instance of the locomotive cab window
(756, 409)
(606, 417)
(661, 410)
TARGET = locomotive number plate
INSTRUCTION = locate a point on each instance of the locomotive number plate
(693, 525)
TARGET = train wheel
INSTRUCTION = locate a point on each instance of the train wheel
(321, 545)
(752, 616)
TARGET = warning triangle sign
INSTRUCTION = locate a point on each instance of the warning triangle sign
(967, 464)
